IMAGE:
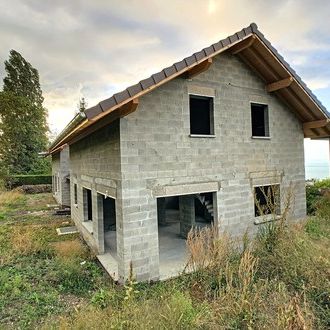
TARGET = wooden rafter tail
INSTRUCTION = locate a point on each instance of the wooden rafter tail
(316, 124)
(318, 136)
(243, 45)
(199, 68)
(284, 83)
(128, 108)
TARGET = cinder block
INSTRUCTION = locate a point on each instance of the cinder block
(151, 149)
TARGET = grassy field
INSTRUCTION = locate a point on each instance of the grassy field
(278, 281)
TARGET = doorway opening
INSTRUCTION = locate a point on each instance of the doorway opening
(109, 224)
(177, 215)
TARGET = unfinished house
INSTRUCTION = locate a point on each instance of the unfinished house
(189, 146)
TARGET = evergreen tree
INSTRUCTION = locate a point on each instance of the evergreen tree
(82, 105)
(23, 125)
(22, 79)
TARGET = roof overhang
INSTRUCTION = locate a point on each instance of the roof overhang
(253, 48)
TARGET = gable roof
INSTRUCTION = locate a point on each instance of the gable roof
(252, 47)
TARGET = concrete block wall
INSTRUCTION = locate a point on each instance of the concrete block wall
(150, 154)
(95, 165)
(55, 174)
(60, 173)
(187, 214)
(157, 151)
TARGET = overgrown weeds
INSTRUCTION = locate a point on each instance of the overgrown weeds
(8, 201)
(279, 280)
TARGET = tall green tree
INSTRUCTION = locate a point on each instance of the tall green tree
(23, 124)
(22, 79)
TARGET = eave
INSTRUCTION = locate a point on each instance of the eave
(253, 48)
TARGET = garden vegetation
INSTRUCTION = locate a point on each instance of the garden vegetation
(278, 280)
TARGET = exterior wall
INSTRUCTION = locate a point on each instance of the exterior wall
(60, 174)
(158, 155)
(95, 165)
(55, 175)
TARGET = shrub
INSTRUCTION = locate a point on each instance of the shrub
(312, 195)
(21, 180)
(101, 299)
(314, 191)
(325, 183)
(36, 189)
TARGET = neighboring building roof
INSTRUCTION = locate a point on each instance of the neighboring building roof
(253, 48)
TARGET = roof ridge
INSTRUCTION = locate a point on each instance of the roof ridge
(165, 73)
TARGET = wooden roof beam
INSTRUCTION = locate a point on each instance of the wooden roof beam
(318, 136)
(275, 86)
(316, 123)
(261, 66)
(199, 68)
(243, 45)
(128, 108)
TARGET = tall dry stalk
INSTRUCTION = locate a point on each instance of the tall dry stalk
(278, 204)
(206, 248)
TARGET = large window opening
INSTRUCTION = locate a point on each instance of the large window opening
(267, 200)
(259, 119)
(201, 115)
(177, 215)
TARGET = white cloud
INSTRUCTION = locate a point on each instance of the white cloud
(316, 151)
(318, 83)
(95, 48)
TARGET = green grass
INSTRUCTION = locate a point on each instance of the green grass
(14, 204)
(41, 274)
(279, 281)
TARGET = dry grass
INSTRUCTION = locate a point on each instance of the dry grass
(252, 287)
(68, 250)
(25, 241)
(207, 249)
(10, 197)
(279, 281)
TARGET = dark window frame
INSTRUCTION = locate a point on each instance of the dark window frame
(208, 130)
(260, 193)
(75, 193)
(87, 204)
(259, 120)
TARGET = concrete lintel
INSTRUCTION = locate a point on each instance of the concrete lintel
(87, 178)
(106, 182)
(107, 191)
(201, 90)
(263, 178)
(266, 174)
(186, 189)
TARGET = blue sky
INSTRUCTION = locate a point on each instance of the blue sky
(95, 48)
